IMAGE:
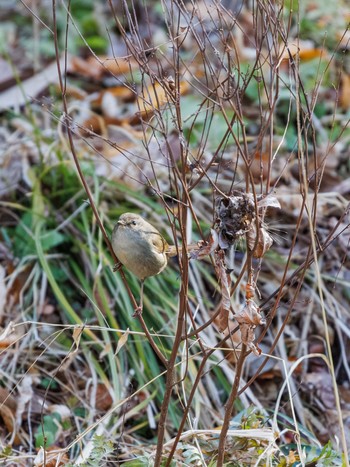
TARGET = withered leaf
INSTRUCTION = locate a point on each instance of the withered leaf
(207, 248)
(264, 241)
(8, 406)
(248, 318)
(248, 337)
(250, 314)
(225, 283)
(269, 201)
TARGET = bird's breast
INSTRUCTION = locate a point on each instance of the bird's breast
(137, 253)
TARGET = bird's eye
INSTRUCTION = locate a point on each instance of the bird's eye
(133, 222)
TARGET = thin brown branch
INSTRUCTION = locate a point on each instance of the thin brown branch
(229, 407)
(87, 188)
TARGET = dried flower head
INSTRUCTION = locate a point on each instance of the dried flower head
(234, 217)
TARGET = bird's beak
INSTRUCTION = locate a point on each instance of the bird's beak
(121, 222)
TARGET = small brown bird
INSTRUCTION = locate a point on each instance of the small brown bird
(140, 247)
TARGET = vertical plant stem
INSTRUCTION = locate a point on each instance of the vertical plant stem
(229, 407)
(170, 376)
(192, 393)
(184, 266)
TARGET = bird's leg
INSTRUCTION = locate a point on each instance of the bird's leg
(138, 310)
(117, 266)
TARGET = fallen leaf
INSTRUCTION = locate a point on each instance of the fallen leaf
(46, 458)
(96, 67)
(103, 399)
(8, 336)
(18, 95)
(320, 385)
(8, 407)
(112, 65)
(46, 309)
(152, 98)
(15, 290)
(157, 94)
(116, 103)
(64, 411)
(84, 68)
(304, 49)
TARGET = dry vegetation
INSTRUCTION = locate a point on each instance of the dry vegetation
(222, 123)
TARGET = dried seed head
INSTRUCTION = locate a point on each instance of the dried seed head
(234, 217)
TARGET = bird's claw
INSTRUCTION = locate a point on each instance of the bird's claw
(117, 266)
(137, 312)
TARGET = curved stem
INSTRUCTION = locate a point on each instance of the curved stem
(229, 407)
(86, 186)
